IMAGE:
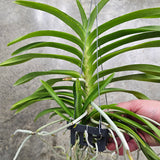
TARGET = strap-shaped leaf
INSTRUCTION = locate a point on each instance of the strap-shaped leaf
(124, 18)
(26, 57)
(82, 13)
(19, 108)
(94, 112)
(149, 152)
(138, 77)
(65, 94)
(46, 111)
(108, 90)
(62, 87)
(131, 131)
(136, 124)
(40, 93)
(134, 93)
(146, 122)
(95, 93)
(51, 82)
(68, 101)
(150, 44)
(146, 149)
(36, 97)
(50, 110)
(120, 34)
(120, 43)
(39, 96)
(154, 16)
(75, 25)
(77, 91)
(93, 14)
(49, 44)
(51, 33)
(146, 68)
(33, 75)
(62, 115)
(56, 98)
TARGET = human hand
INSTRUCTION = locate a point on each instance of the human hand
(147, 108)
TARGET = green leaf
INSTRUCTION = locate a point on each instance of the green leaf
(62, 115)
(131, 131)
(26, 57)
(146, 122)
(77, 91)
(135, 93)
(56, 98)
(82, 13)
(149, 153)
(51, 33)
(19, 108)
(150, 44)
(120, 34)
(94, 112)
(65, 93)
(154, 16)
(146, 68)
(67, 101)
(49, 44)
(150, 28)
(75, 25)
(95, 93)
(135, 124)
(47, 111)
(33, 75)
(40, 96)
(121, 42)
(61, 87)
(50, 82)
(138, 77)
(96, 10)
(124, 18)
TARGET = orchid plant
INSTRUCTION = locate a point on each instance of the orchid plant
(92, 47)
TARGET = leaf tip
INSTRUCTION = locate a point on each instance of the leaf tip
(15, 84)
(2, 64)
(9, 44)
(17, 1)
(35, 119)
(42, 81)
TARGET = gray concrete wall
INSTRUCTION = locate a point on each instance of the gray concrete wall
(16, 21)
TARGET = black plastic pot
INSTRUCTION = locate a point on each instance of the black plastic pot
(95, 135)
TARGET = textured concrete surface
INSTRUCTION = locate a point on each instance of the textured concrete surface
(16, 21)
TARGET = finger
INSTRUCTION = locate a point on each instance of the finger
(127, 137)
(130, 105)
(132, 145)
(112, 146)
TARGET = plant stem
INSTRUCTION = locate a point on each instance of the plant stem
(149, 119)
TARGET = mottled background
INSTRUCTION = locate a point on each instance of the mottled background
(16, 21)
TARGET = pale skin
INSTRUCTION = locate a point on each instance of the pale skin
(148, 108)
